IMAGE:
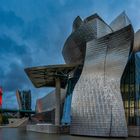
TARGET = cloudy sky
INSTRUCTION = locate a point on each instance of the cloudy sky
(32, 33)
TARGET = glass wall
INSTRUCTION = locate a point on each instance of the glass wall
(137, 87)
(130, 90)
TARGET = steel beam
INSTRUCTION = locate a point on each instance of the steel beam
(57, 95)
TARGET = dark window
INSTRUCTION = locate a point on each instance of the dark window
(130, 90)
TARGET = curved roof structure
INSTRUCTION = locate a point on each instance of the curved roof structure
(92, 27)
(43, 76)
(120, 22)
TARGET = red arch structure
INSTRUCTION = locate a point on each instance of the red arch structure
(1, 92)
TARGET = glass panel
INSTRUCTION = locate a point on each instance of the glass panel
(132, 104)
(131, 112)
(126, 104)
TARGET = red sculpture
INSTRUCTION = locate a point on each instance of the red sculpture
(1, 97)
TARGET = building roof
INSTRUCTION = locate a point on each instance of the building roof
(44, 76)
(120, 22)
(92, 27)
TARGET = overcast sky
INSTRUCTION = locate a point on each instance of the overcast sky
(32, 33)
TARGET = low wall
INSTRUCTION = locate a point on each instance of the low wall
(134, 131)
(48, 128)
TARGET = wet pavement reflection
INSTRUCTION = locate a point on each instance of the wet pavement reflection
(22, 134)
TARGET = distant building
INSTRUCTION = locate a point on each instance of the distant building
(24, 99)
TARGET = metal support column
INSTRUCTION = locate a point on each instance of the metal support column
(57, 95)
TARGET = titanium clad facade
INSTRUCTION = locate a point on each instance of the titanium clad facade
(120, 22)
(102, 96)
(74, 47)
(97, 107)
(47, 103)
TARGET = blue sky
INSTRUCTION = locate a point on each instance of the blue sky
(32, 33)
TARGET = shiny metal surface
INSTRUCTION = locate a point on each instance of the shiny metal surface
(47, 103)
(92, 27)
(120, 22)
(97, 107)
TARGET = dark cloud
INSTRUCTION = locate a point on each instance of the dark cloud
(14, 78)
(13, 59)
(21, 45)
(9, 19)
(7, 45)
(33, 32)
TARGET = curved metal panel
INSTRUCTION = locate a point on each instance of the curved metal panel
(47, 103)
(74, 48)
(97, 108)
(120, 22)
